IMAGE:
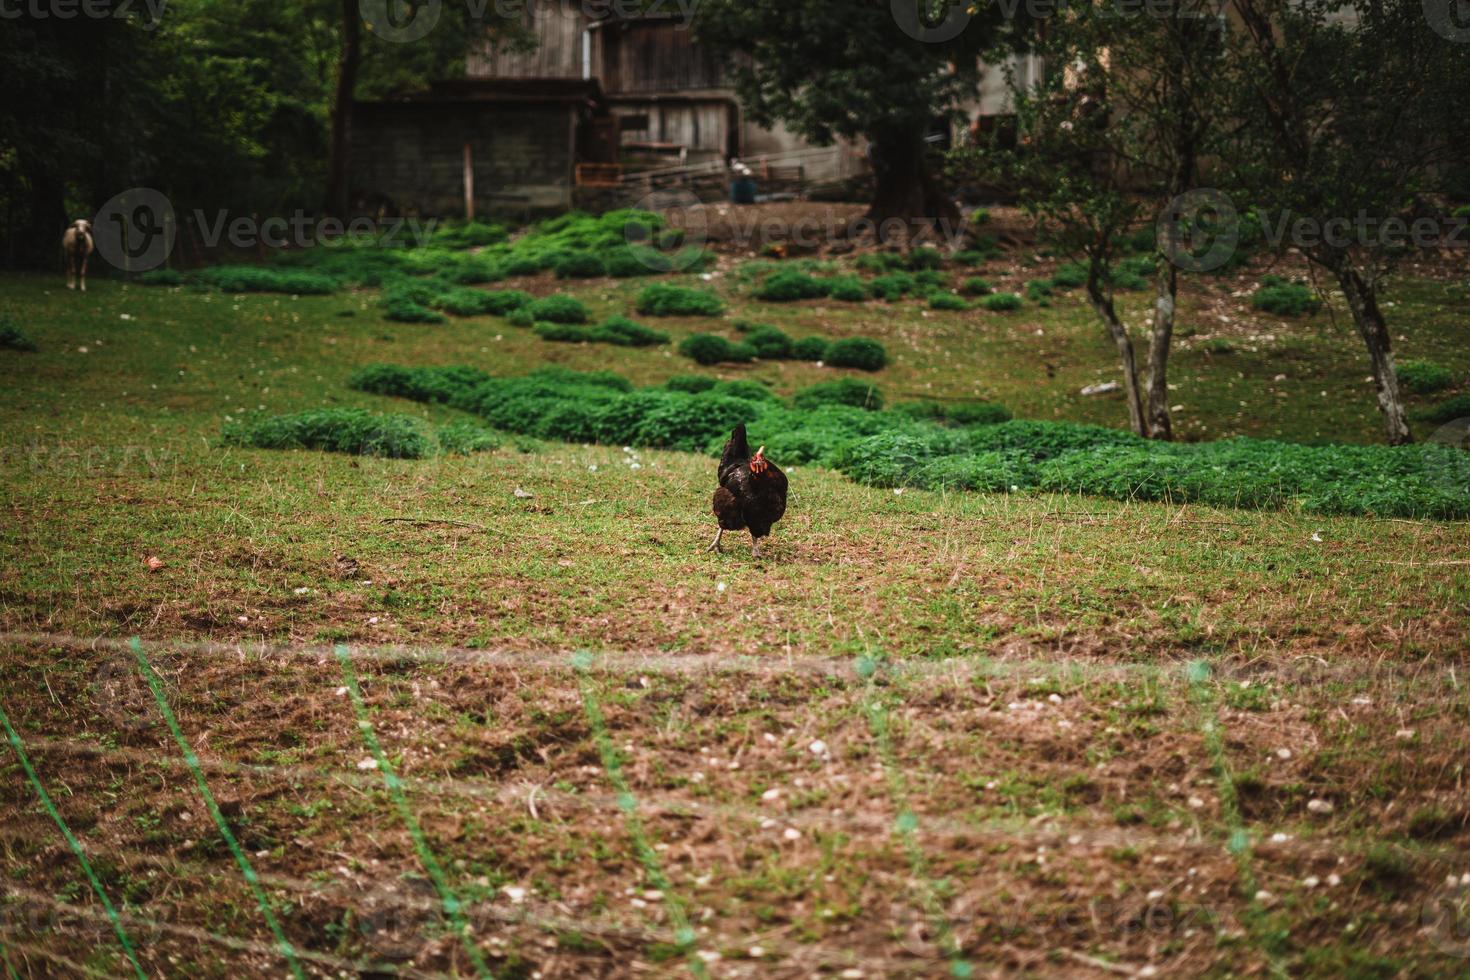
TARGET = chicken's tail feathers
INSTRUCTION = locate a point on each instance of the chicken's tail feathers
(737, 448)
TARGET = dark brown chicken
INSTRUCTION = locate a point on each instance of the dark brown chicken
(752, 492)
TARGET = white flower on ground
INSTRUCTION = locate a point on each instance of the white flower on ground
(368, 763)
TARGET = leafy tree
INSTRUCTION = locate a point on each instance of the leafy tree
(1114, 132)
(857, 68)
(1351, 111)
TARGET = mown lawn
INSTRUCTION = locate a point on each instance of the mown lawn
(1075, 783)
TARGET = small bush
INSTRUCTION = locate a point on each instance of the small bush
(558, 309)
(464, 438)
(955, 413)
(462, 301)
(975, 286)
(857, 352)
(1069, 276)
(1424, 377)
(623, 332)
(521, 265)
(810, 349)
(471, 234)
(503, 302)
(520, 318)
(1038, 290)
(790, 285)
(880, 262)
(751, 391)
(848, 289)
(259, 279)
(1448, 410)
(475, 270)
(160, 277)
(708, 348)
(925, 258)
(1285, 298)
(566, 333)
(857, 394)
(947, 301)
(690, 383)
(893, 286)
(769, 343)
(664, 300)
(404, 309)
(579, 265)
(12, 337)
(337, 430)
(1001, 302)
(972, 257)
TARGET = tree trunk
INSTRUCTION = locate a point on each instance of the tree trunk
(1102, 304)
(906, 198)
(1362, 297)
(339, 165)
(1166, 283)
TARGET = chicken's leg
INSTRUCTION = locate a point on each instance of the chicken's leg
(715, 544)
(755, 546)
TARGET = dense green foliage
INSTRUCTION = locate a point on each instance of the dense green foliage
(662, 299)
(857, 352)
(1001, 302)
(1424, 377)
(911, 448)
(618, 330)
(709, 348)
(844, 392)
(790, 285)
(1283, 298)
(940, 300)
(975, 286)
(1448, 410)
(12, 337)
(337, 430)
(263, 279)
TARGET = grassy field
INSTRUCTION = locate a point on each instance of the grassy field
(1020, 734)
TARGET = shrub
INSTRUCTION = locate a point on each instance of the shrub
(1001, 302)
(975, 286)
(579, 265)
(558, 309)
(337, 430)
(520, 318)
(769, 343)
(474, 270)
(469, 235)
(462, 301)
(925, 258)
(503, 302)
(955, 413)
(259, 279)
(691, 383)
(848, 289)
(12, 337)
(1285, 298)
(893, 286)
(1038, 290)
(623, 332)
(160, 277)
(1448, 410)
(1424, 377)
(857, 352)
(790, 285)
(404, 309)
(972, 257)
(708, 348)
(521, 265)
(436, 385)
(464, 438)
(939, 300)
(568, 333)
(1069, 275)
(858, 394)
(810, 349)
(665, 300)
(751, 391)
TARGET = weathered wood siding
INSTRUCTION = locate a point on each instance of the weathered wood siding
(558, 29)
(412, 155)
(655, 56)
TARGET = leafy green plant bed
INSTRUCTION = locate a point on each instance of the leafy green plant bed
(911, 448)
(1424, 377)
(616, 330)
(1283, 298)
(662, 299)
(360, 433)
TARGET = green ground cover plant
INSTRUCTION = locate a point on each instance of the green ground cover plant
(662, 299)
(912, 449)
